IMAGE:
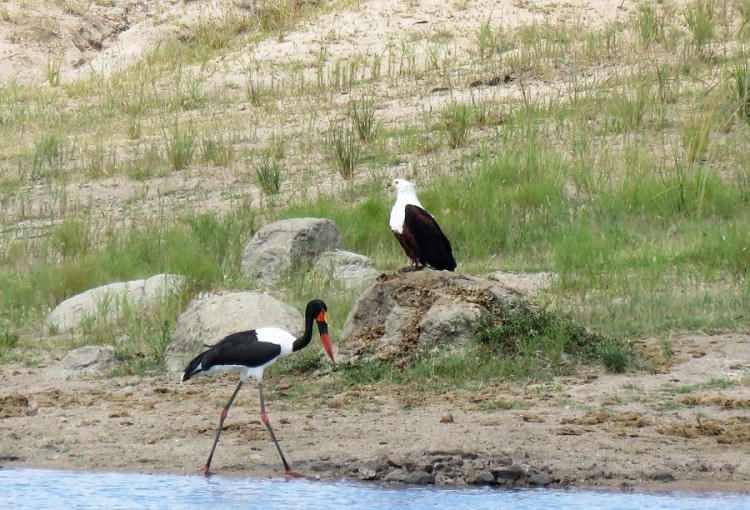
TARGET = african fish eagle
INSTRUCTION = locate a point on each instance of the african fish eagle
(417, 231)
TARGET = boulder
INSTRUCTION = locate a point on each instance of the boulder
(86, 360)
(406, 314)
(108, 301)
(288, 246)
(349, 269)
(210, 318)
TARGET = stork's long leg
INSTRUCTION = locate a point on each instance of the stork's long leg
(223, 416)
(264, 418)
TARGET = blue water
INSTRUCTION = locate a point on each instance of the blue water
(49, 489)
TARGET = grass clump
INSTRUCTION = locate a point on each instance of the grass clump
(362, 113)
(268, 174)
(648, 23)
(537, 339)
(180, 144)
(71, 238)
(8, 340)
(700, 20)
(741, 76)
(216, 151)
(491, 40)
(457, 120)
(369, 372)
(344, 150)
(48, 156)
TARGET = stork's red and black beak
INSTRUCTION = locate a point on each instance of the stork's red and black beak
(325, 338)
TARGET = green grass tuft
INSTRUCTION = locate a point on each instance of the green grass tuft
(344, 150)
(8, 340)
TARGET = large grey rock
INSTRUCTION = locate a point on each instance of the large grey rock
(86, 360)
(404, 314)
(288, 246)
(350, 269)
(209, 319)
(109, 301)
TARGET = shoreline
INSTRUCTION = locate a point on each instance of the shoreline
(593, 431)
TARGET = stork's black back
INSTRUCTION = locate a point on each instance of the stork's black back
(237, 349)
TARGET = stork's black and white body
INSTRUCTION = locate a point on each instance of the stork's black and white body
(417, 231)
(251, 352)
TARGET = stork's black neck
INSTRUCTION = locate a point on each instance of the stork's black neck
(301, 342)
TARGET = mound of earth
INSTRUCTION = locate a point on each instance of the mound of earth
(405, 314)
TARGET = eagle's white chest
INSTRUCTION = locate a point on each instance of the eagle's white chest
(398, 213)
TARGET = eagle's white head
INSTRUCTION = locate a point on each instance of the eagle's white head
(405, 191)
(406, 194)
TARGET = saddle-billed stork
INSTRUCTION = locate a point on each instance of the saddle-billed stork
(249, 353)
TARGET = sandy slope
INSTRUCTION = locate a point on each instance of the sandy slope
(94, 36)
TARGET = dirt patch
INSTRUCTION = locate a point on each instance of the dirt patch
(735, 430)
(13, 405)
(628, 419)
(715, 399)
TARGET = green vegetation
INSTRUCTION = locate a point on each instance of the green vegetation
(619, 159)
(268, 174)
(8, 340)
(344, 150)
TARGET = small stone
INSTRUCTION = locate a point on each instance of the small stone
(729, 468)
(481, 478)
(371, 469)
(501, 460)
(541, 479)
(424, 465)
(446, 418)
(376, 463)
(366, 474)
(322, 466)
(410, 477)
(511, 473)
(395, 460)
(662, 476)
(442, 452)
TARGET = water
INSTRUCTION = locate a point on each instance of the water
(49, 489)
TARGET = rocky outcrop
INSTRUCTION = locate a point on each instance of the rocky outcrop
(404, 314)
(446, 467)
(210, 318)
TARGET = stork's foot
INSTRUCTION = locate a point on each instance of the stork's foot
(293, 474)
(206, 471)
